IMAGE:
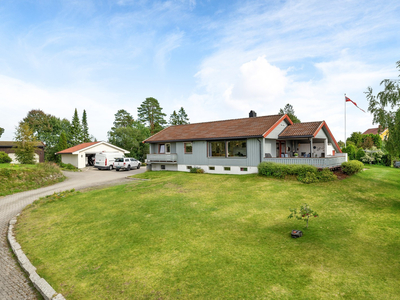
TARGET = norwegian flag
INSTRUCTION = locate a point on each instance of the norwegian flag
(349, 100)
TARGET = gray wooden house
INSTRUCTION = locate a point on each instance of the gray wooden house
(238, 146)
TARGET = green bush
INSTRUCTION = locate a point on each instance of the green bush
(326, 175)
(196, 170)
(360, 154)
(309, 177)
(303, 173)
(352, 167)
(351, 151)
(4, 158)
(386, 160)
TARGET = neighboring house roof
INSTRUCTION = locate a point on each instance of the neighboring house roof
(227, 129)
(77, 148)
(86, 146)
(307, 129)
(11, 144)
(374, 131)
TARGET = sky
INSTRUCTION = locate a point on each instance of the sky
(217, 59)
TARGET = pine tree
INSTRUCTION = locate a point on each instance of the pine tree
(289, 110)
(183, 117)
(76, 129)
(174, 118)
(150, 112)
(85, 128)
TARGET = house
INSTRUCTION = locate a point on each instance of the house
(81, 155)
(9, 148)
(383, 133)
(238, 146)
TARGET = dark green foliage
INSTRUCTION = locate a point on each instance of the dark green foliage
(356, 138)
(385, 107)
(4, 158)
(151, 113)
(179, 118)
(341, 144)
(1, 131)
(129, 135)
(85, 129)
(303, 173)
(76, 129)
(47, 129)
(288, 110)
(351, 151)
(352, 167)
(359, 154)
(386, 160)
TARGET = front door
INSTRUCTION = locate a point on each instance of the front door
(280, 148)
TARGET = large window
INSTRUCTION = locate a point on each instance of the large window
(237, 148)
(217, 149)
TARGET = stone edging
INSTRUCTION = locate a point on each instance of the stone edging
(40, 284)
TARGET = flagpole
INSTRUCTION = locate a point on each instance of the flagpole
(345, 120)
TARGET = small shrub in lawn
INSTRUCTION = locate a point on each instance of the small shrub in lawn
(303, 213)
(352, 167)
(196, 170)
(4, 158)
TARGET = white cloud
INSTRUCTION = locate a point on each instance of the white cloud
(164, 49)
(18, 98)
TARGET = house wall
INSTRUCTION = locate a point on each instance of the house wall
(70, 159)
(270, 147)
(277, 131)
(199, 155)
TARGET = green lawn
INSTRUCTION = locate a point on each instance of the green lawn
(201, 236)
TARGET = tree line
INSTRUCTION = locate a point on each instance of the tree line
(59, 134)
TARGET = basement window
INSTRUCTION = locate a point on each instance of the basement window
(243, 169)
(211, 168)
(227, 168)
(162, 167)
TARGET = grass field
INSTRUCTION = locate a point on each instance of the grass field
(16, 178)
(201, 236)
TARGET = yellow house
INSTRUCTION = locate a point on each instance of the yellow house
(384, 133)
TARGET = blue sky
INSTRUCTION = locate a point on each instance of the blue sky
(217, 59)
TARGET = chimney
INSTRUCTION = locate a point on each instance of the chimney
(252, 114)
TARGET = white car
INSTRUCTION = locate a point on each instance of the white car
(126, 163)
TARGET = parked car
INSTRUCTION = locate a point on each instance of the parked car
(126, 163)
(105, 160)
(396, 164)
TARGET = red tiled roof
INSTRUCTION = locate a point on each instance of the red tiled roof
(307, 129)
(227, 129)
(77, 147)
(373, 131)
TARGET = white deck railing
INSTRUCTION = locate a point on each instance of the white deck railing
(320, 162)
(171, 158)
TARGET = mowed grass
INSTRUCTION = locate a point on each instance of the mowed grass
(200, 236)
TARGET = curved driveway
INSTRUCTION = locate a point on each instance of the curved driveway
(13, 282)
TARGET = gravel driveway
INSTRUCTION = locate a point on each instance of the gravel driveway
(13, 283)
